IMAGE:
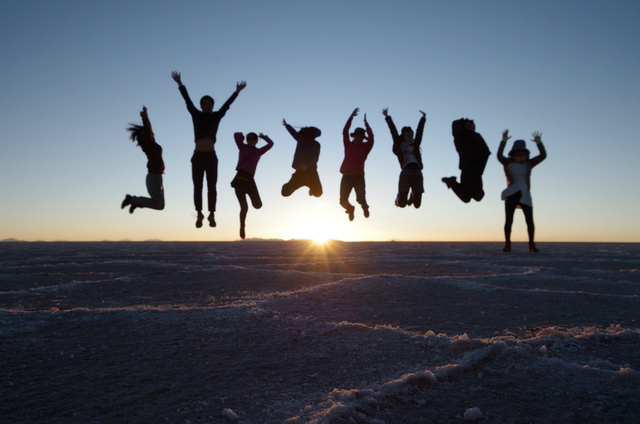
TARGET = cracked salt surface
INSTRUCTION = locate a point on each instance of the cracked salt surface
(291, 332)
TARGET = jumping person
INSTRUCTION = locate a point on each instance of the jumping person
(243, 183)
(143, 134)
(474, 153)
(517, 168)
(305, 161)
(352, 169)
(407, 149)
(204, 159)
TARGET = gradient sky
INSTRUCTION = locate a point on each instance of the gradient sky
(75, 73)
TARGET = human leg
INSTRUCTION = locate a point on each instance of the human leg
(244, 208)
(197, 175)
(212, 181)
(528, 216)
(403, 189)
(471, 182)
(509, 209)
(313, 182)
(297, 180)
(360, 188)
(417, 187)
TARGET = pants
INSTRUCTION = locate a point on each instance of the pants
(352, 182)
(410, 179)
(470, 186)
(155, 190)
(244, 185)
(308, 178)
(201, 163)
(510, 205)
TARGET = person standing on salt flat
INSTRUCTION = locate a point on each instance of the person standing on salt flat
(517, 168)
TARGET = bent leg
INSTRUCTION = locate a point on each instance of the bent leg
(296, 181)
(346, 184)
(313, 182)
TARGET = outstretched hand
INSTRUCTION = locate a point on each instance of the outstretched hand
(284, 122)
(385, 112)
(537, 136)
(424, 115)
(143, 113)
(505, 136)
(355, 112)
(240, 86)
(176, 77)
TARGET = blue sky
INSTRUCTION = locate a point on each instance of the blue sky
(75, 73)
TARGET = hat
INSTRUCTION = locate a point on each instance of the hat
(358, 131)
(519, 146)
(405, 129)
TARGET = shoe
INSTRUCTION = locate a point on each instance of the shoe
(199, 219)
(212, 219)
(410, 199)
(132, 208)
(242, 234)
(350, 210)
(365, 209)
(449, 181)
(532, 247)
(507, 247)
(126, 202)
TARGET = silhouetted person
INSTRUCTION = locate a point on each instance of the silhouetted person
(407, 149)
(474, 153)
(244, 183)
(517, 168)
(204, 159)
(352, 169)
(305, 161)
(143, 134)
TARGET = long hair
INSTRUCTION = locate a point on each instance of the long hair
(137, 132)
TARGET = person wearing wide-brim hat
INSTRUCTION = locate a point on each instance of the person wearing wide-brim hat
(352, 168)
(517, 168)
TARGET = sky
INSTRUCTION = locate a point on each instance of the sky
(76, 73)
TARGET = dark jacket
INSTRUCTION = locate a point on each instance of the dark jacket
(155, 164)
(472, 149)
(205, 124)
(307, 153)
(398, 140)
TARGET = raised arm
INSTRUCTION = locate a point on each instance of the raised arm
(392, 126)
(369, 131)
(505, 136)
(347, 126)
(291, 130)
(239, 139)
(420, 129)
(183, 90)
(265, 149)
(537, 138)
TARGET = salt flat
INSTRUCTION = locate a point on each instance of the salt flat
(293, 332)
